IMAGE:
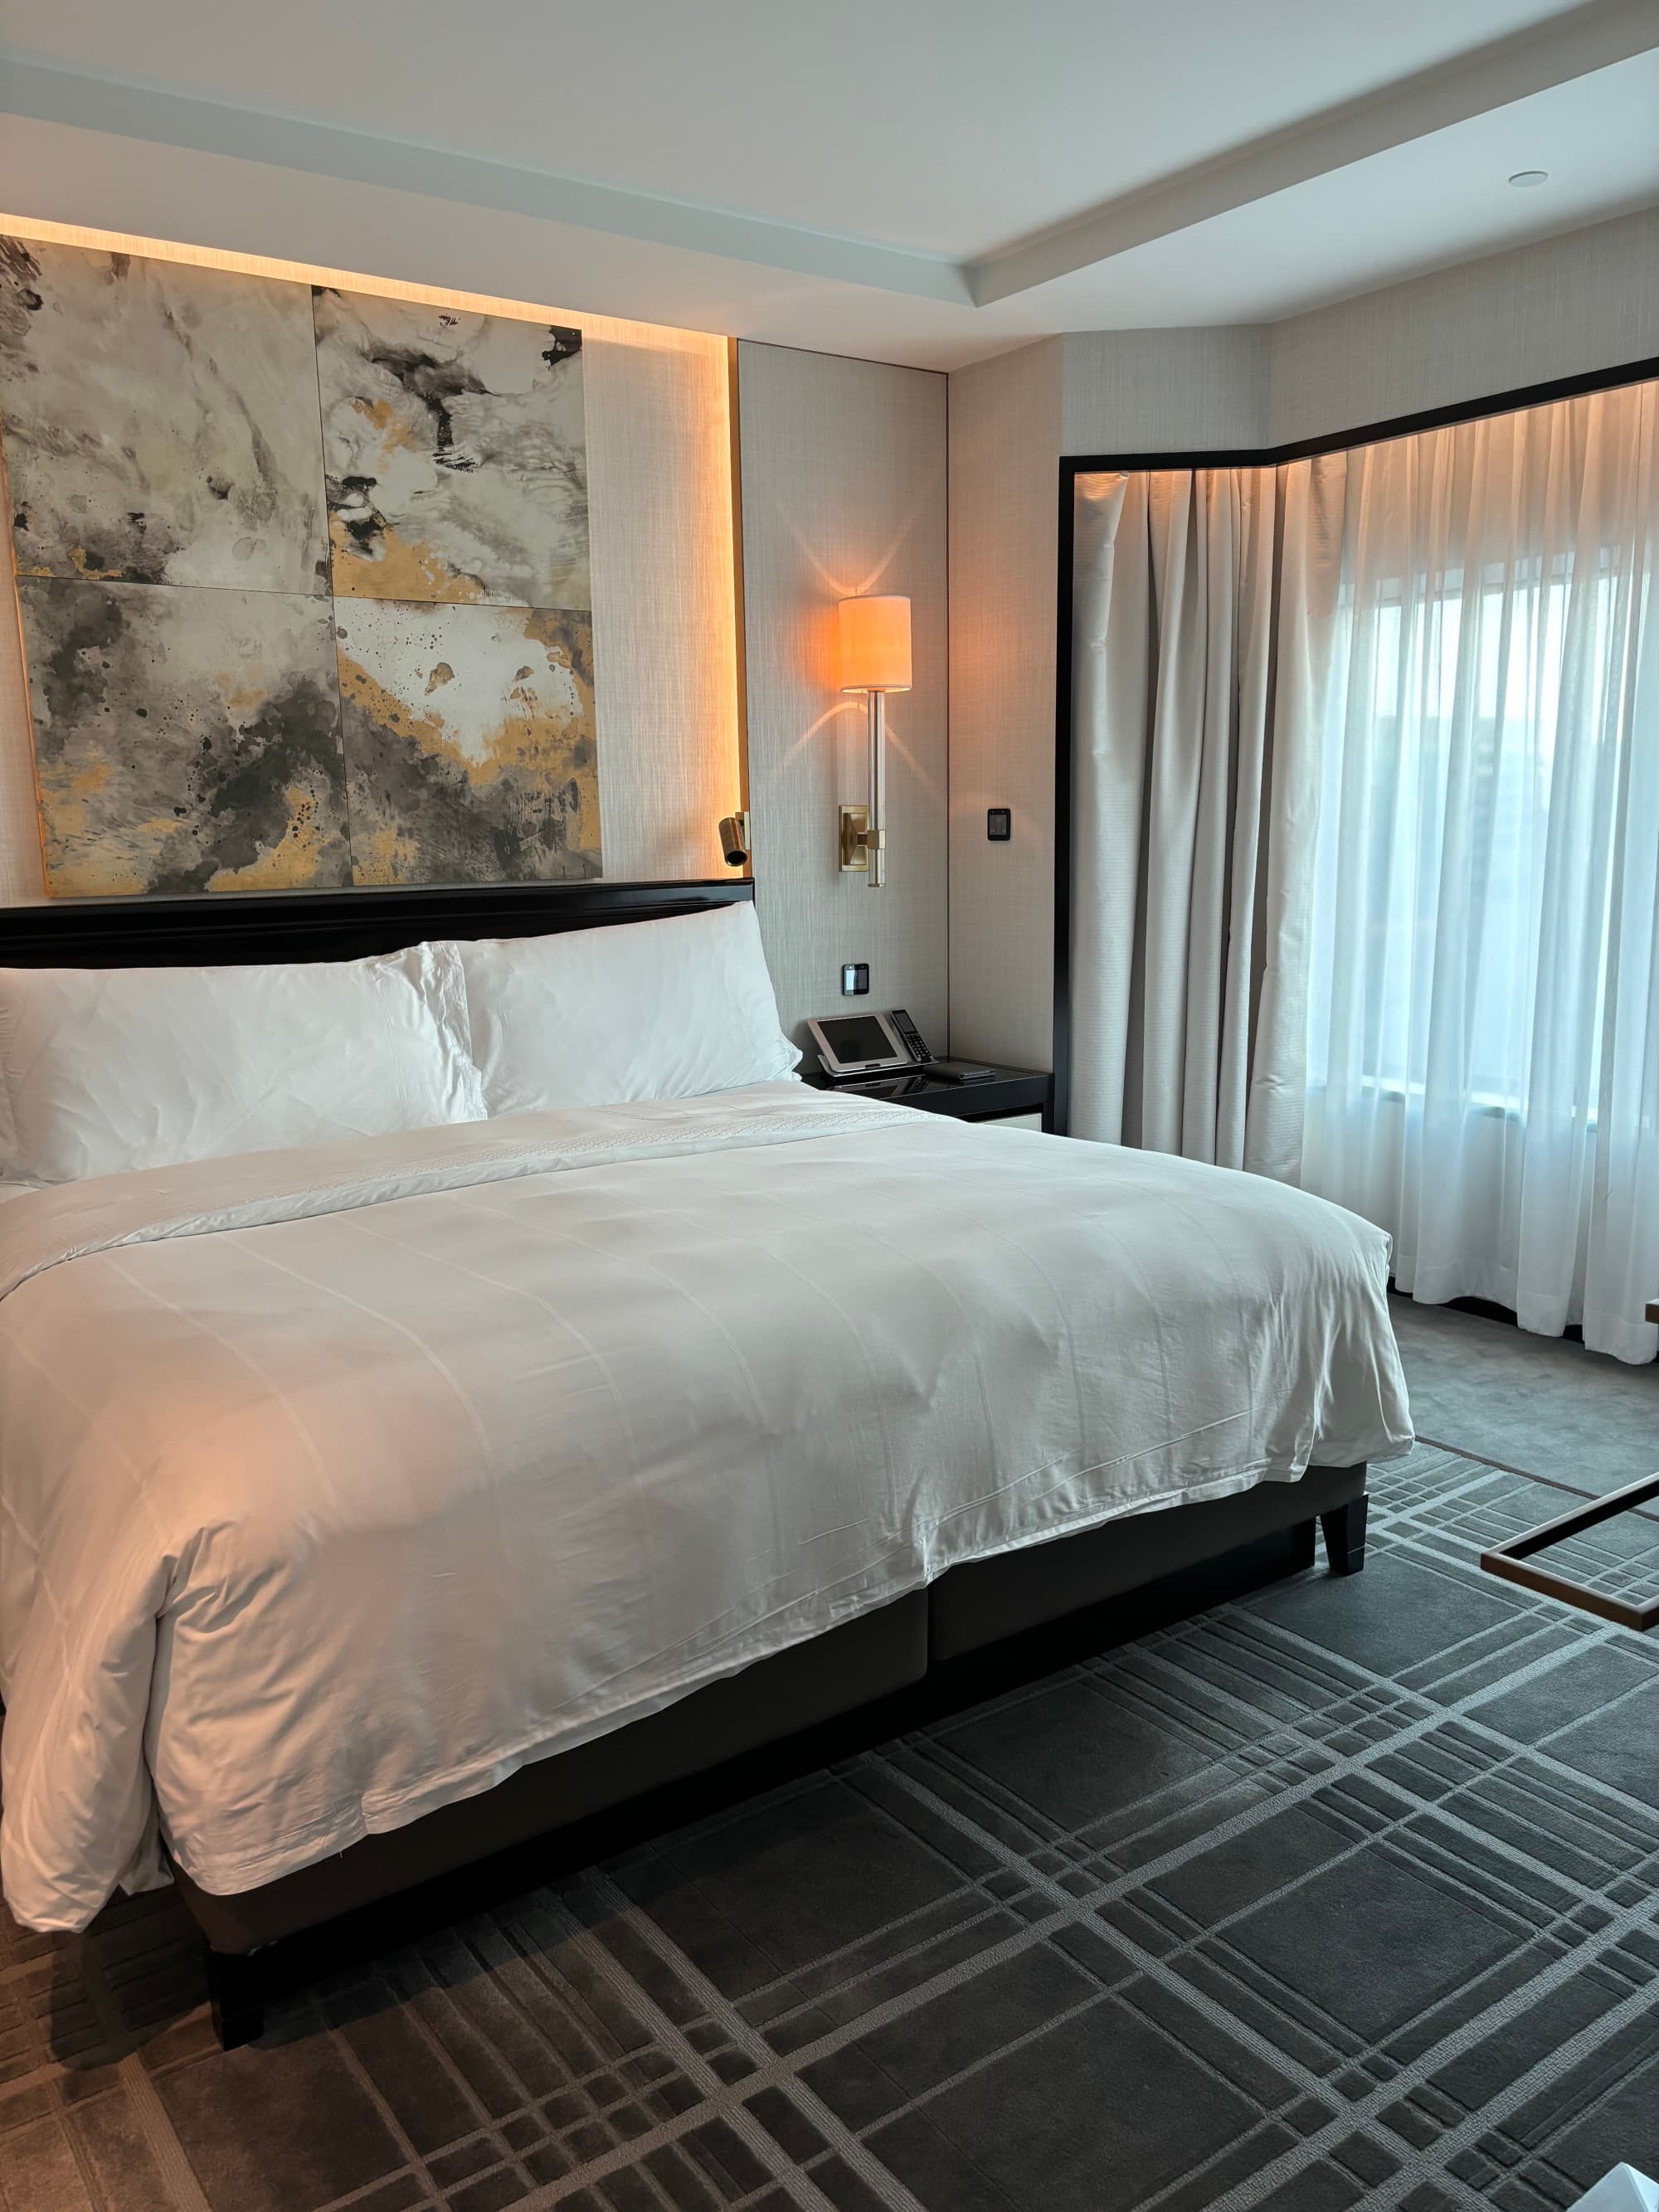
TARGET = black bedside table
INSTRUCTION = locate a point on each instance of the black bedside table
(1011, 1093)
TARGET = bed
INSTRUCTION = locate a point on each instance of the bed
(372, 1505)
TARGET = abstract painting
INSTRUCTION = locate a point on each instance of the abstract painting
(469, 742)
(304, 581)
(455, 452)
(161, 423)
(185, 740)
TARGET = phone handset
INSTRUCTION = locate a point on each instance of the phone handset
(912, 1036)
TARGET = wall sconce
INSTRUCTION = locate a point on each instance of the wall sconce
(875, 658)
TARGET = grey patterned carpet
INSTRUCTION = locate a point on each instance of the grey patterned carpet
(1342, 1894)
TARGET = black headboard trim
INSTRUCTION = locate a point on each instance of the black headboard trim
(252, 929)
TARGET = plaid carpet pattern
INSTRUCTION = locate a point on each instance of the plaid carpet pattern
(1340, 1894)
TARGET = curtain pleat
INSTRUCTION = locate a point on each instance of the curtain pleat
(1199, 596)
(1305, 584)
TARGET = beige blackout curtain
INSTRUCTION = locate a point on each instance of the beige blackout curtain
(1202, 604)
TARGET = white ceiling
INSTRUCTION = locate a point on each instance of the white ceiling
(918, 179)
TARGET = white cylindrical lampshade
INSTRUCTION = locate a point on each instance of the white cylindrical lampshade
(875, 643)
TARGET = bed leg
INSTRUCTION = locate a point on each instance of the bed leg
(236, 1992)
(1345, 1537)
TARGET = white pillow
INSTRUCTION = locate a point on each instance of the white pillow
(646, 1010)
(104, 1069)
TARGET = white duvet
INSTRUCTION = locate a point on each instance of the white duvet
(336, 1484)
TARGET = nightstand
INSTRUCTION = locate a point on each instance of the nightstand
(1020, 1096)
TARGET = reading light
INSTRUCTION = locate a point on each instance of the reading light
(875, 658)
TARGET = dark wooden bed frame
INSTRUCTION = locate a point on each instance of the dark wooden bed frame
(979, 1625)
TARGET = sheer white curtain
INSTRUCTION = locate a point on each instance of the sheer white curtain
(1483, 997)
(1201, 616)
(1366, 842)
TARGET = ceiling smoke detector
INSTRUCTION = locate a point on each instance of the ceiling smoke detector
(1524, 178)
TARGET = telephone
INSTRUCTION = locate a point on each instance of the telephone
(852, 1046)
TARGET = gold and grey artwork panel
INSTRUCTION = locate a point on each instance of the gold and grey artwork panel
(455, 451)
(469, 742)
(161, 423)
(185, 740)
(303, 577)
